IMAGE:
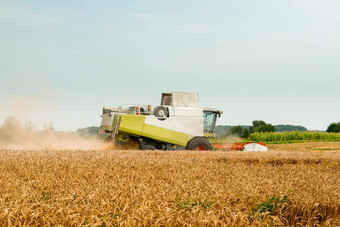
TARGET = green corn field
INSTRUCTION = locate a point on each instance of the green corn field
(294, 136)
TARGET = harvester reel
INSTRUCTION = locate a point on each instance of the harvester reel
(161, 112)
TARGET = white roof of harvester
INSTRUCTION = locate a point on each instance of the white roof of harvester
(184, 99)
(181, 99)
(213, 110)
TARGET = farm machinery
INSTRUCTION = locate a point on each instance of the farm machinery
(178, 123)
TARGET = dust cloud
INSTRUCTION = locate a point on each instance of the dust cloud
(27, 100)
(15, 137)
(231, 138)
(31, 107)
(57, 143)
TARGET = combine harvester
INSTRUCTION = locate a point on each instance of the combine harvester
(179, 123)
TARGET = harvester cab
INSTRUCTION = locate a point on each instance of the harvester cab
(178, 123)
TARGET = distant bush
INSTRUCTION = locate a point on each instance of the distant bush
(334, 127)
(261, 126)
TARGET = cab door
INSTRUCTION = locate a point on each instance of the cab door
(209, 122)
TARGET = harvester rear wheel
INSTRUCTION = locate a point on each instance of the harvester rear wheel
(199, 144)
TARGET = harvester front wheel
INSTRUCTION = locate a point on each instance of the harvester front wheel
(199, 144)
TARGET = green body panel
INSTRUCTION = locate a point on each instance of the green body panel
(134, 125)
(166, 135)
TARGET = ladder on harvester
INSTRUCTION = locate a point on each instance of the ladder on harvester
(116, 126)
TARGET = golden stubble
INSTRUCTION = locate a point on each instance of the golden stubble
(134, 188)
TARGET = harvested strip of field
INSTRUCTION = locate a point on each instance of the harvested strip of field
(169, 188)
(306, 146)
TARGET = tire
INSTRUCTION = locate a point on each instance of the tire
(200, 144)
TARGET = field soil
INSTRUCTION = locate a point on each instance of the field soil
(295, 184)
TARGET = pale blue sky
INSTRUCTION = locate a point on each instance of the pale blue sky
(277, 61)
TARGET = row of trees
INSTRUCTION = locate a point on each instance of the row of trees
(221, 130)
(244, 132)
(261, 126)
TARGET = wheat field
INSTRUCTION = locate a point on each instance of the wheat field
(169, 188)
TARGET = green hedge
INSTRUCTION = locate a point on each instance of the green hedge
(294, 136)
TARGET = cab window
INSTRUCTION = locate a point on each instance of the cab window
(209, 119)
